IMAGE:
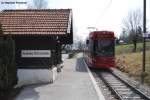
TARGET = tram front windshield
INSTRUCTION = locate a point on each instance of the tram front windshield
(104, 48)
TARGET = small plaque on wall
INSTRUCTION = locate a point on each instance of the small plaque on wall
(36, 53)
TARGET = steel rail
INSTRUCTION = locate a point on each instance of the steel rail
(114, 91)
(132, 88)
(117, 95)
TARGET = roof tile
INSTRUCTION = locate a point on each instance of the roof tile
(47, 21)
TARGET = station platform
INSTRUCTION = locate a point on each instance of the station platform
(73, 83)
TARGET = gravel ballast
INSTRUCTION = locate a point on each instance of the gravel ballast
(143, 88)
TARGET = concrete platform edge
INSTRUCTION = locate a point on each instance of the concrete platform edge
(99, 93)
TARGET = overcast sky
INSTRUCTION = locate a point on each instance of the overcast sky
(102, 14)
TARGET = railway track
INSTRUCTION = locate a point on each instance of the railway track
(117, 88)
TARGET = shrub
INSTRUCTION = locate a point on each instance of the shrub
(8, 70)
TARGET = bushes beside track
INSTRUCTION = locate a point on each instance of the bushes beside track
(131, 62)
(8, 70)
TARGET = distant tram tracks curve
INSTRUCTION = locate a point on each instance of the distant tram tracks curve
(118, 87)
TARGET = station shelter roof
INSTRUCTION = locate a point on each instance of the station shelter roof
(37, 21)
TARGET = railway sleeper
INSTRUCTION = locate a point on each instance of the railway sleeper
(114, 82)
(124, 92)
(130, 95)
(132, 98)
(123, 89)
(118, 86)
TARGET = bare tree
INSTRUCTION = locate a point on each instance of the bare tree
(123, 36)
(38, 4)
(81, 45)
(133, 20)
(132, 25)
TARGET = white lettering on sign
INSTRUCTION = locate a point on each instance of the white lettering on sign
(36, 53)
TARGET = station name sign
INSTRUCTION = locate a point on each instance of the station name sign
(36, 53)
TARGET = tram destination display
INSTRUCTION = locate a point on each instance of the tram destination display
(104, 36)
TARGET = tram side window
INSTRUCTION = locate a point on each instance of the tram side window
(90, 45)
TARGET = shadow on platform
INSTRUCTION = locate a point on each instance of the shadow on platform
(80, 66)
(29, 92)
